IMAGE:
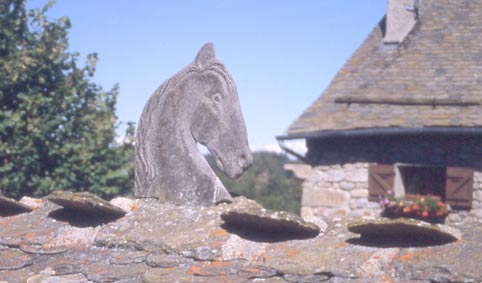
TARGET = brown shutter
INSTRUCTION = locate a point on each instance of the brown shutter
(380, 180)
(459, 187)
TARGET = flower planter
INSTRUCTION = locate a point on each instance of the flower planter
(427, 208)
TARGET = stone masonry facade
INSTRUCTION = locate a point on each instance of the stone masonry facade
(335, 191)
(342, 190)
(336, 176)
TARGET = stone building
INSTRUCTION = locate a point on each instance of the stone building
(403, 114)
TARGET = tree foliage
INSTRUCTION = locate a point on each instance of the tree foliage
(57, 128)
(267, 182)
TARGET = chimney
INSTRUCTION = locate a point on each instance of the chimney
(401, 18)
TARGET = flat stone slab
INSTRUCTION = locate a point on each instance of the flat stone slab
(9, 207)
(85, 202)
(33, 203)
(14, 259)
(250, 220)
(126, 204)
(402, 231)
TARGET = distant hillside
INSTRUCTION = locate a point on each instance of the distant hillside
(266, 182)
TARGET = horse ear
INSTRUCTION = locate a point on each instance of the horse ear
(205, 55)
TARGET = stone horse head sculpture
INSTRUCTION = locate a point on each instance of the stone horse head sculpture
(197, 105)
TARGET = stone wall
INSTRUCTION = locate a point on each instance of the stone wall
(342, 190)
(335, 191)
(160, 242)
(336, 179)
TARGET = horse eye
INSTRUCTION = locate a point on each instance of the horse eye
(217, 97)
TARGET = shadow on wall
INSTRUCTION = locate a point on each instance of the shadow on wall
(456, 151)
(81, 219)
(278, 227)
(401, 241)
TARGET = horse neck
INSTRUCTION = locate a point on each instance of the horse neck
(178, 147)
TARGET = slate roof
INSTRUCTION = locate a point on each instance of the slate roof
(413, 85)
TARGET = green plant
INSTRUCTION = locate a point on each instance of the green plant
(57, 128)
(421, 206)
(267, 182)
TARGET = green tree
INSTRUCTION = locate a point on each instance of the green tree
(267, 182)
(57, 128)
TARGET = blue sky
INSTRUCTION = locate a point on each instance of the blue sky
(282, 54)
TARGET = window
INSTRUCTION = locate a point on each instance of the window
(423, 180)
(453, 185)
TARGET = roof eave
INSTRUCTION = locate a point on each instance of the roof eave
(392, 131)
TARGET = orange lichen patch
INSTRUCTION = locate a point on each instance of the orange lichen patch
(47, 246)
(194, 270)
(292, 252)
(7, 220)
(406, 257)
(219, 233)
(217, 264)
(215, 268)
(37, 203)
(342, 244)
(118, 256)
(252, 270)
(134, 207)
(387, 279)
(379, 265)
(216, 244)
(411, 255)
(363, 254)
(30, 235)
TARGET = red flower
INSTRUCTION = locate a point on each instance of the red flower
(425, 214)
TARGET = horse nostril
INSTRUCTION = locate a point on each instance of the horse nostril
(244, 161)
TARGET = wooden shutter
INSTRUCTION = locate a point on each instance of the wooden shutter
(459, 187)
(380, 180)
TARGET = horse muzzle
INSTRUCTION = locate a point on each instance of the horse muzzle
(245, 161)
(235, 167)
